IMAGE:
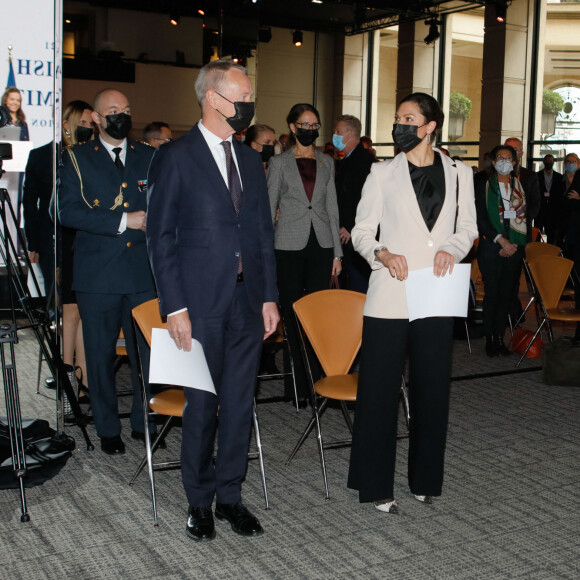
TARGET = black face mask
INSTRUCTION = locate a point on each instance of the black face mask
(118, 125)
(267, 152)
(243, 117)
(548, 166)
(405, 136)
(306, 137)
(83, 134)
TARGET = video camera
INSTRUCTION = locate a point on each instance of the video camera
(4, 116)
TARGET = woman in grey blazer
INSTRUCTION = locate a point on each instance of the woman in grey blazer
(305, 216)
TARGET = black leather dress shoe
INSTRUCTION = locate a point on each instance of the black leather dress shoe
(50, 383)
(200, 526)
(240, 518)
(113, 445)
(138, 436)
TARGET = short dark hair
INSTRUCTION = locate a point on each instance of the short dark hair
(428, 106)
(294, 115)
(499, 148)
(154, 129)
(549, 155)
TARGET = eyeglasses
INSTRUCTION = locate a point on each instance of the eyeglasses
(309, 125)
(500, 158)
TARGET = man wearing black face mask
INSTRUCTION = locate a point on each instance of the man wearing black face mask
(551, 199)
(103, 195)
(210, 241)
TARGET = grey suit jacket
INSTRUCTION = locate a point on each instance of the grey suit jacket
(297, 214)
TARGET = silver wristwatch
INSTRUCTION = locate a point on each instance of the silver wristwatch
(379, 249)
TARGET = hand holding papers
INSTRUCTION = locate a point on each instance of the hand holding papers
(429, 295)
(171, 366)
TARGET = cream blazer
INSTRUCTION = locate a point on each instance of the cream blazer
(389, 201)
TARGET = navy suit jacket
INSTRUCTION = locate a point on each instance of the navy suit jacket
(92, 201)
(194, 236)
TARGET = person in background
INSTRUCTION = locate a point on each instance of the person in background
(551, 199)
(423, 202)
(330, 150)
(484, 174)
(571, 210)
(307, 241)
(157, 133)
(503, 234)
(351, 174)
(261, 138)
(284, 141)
(102, 194)
(240, 136)
(367, 143)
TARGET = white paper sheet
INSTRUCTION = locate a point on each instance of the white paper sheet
(20, 151)
(428, 295)
(171, 366)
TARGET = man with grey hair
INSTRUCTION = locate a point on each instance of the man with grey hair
(211, 245)
(157, 133)
(351, 173)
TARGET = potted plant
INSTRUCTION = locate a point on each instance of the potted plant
(552, 104)
(459, 111)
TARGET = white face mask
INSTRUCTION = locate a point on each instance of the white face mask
(504, 167)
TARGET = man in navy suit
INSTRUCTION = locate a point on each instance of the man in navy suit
(103, 195)
(211, 246)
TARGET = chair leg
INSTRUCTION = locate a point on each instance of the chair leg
(291, 362)
(530, 343)
(405, 397)
(308, 429)
(321, 450)
(346, 416)
(467, 335)
(39, 371)
(260, 455)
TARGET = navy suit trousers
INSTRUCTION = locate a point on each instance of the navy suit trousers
(232, 345)
(102, 316)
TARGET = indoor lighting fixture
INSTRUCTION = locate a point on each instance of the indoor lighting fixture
(201, 12)
(174, 19)
(501, 11)
(433, 31)
(316, 1)
(297, 37)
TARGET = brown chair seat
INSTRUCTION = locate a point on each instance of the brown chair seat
(170, 402)
(563, 314)
(338, 387)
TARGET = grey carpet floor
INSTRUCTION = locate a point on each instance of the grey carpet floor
(510, 507)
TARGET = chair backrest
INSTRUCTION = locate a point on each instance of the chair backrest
(147, 317)
(332, 320)
(536, 234)
(550, 274)
(535, 249)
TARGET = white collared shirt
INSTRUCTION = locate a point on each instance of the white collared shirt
(109, 148)
(217, 150)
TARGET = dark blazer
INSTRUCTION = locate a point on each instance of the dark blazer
(105, 262)
(529, 181)
(351, 174)
(194, 236)
(550, 206)
(38, 184)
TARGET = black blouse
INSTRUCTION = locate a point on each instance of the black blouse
(429, 186)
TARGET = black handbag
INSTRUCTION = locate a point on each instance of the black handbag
(562, 362)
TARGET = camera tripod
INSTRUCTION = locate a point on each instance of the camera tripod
(35, 309)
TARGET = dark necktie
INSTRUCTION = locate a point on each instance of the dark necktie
(234, 185)
(118, 162)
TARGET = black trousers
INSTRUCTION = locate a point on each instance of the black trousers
(385, 343)
(500, 276)
(301, 272)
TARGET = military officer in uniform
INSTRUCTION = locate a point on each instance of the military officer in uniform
(103, 195)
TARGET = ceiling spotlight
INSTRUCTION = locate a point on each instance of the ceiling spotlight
(434, 34)
(174, 19)
(316, 1)
(501, 11)
(201, 12)
(297, 37)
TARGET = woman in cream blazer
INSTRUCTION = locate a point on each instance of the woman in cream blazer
(423, 203)
(305, 216)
